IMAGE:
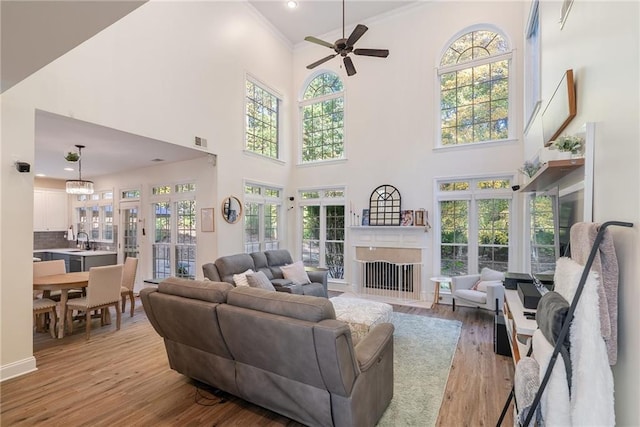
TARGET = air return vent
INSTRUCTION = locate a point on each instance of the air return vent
(200, 142)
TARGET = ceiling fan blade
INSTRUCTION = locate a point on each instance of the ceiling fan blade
(322, 61)
(356, 34)
(348, 65)
(318, 41)
(380, 53)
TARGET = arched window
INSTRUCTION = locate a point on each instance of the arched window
(474, 89)
(322, 112)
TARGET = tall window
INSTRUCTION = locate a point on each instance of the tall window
(262, 127)
(262, 212)
(474, 218)
(174, 231)
(323, 230)
(322, 112)
(532, 66)
(474, 89)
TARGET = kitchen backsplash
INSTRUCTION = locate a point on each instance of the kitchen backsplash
(58, 240)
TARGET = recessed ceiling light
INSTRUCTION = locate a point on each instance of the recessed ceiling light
(40, 175)
(69, 169)
(291, 4)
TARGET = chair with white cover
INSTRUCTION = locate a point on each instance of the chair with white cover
(484, 290)
(103, 291)
(128, 280)
(43, 305)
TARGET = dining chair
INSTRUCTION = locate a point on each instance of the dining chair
(42, 306)
(103, 291)
(128, 280)
(48, 268)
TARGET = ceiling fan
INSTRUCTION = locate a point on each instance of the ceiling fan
(344, 47)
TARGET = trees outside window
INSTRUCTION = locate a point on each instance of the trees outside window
(474, 225)
(262, 120)
(322, 112)
(262, 213)
(323, 230)
(474, 89)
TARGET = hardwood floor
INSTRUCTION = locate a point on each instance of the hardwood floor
(123, 378)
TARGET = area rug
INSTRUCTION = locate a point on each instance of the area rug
(423, 352)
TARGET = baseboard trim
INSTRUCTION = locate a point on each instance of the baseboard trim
(19, 368)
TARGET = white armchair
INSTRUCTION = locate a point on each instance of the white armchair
(487, 294)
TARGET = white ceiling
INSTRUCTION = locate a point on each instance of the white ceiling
(318, 17)
(35, 33)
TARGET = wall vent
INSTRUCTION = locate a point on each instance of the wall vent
(201, 142)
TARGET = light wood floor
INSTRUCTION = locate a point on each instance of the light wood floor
(122, 378)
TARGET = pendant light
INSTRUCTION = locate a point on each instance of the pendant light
(79, 186)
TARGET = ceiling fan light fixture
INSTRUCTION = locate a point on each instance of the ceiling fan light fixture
(79, 186)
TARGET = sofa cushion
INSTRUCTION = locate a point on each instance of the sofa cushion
(240, 279)
(211, 272)
(277, 258)
(260, 280)
(303, 307)
(233, 264)
(260, 264)
(295, 272)
(204, 290)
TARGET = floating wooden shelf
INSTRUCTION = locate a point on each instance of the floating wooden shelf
(551, 172)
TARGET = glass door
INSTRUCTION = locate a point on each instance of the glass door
(129, 241)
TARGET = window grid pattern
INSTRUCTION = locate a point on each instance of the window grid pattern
(543, 244)
(323, 119)
(251, 227)
(334, 241)
(262, 117)
(262, 212)
(161, 247)
(311, 235)
(271, 217)
(384, 206)
(493, 234)
(474, 100)
(185, 249)
(454, 235)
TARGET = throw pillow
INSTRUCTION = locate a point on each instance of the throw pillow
(241, 279)
(488, 274)
(260, 280)
(482, 285)
(296, 273)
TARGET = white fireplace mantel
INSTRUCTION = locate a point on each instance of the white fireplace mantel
(389, 236)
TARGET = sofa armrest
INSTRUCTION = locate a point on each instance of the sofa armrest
(317, 275)
(210, 271)
(464, 282)
(371, 347)
(285, 285)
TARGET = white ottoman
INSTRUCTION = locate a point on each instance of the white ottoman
(360, 314)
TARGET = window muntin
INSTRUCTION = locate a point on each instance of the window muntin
(474, 89)
(323, 230)
(543, 233)
(322, 112)
(262, 213)
(130, 194)
(532, 85)
(262, 120)
(94, 216)
(474, 225)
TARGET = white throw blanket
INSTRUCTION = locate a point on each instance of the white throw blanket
(591, 401)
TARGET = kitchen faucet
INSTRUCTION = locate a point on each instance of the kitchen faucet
(86, 243)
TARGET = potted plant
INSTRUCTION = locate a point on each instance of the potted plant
(529, 168)
(568, 144)
(72, 156)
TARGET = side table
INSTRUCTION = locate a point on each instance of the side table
(438, 280)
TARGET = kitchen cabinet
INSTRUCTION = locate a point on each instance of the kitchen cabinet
(50, 210)
(79, 260)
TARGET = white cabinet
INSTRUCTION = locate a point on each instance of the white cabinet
(50, 210)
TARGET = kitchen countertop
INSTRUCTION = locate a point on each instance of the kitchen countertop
(74, 251)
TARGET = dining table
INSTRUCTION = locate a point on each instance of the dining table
(62, 283)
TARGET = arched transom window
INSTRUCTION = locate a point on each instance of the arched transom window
(474, 89)
(322, 112)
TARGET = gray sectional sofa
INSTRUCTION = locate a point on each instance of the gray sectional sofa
(281, 351)
(269, 262)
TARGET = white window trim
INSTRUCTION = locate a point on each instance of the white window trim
(304, 102)
(262, 199)
(532, 100)
(510, 56)
(249, 77)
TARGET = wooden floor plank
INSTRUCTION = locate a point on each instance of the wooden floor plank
(123, 378)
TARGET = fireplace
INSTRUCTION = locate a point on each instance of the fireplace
(389, 262)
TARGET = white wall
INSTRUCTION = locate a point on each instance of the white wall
(169, 71)
(600, 41)
(391, 112)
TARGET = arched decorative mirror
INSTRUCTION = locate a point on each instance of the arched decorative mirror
(231, 209)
